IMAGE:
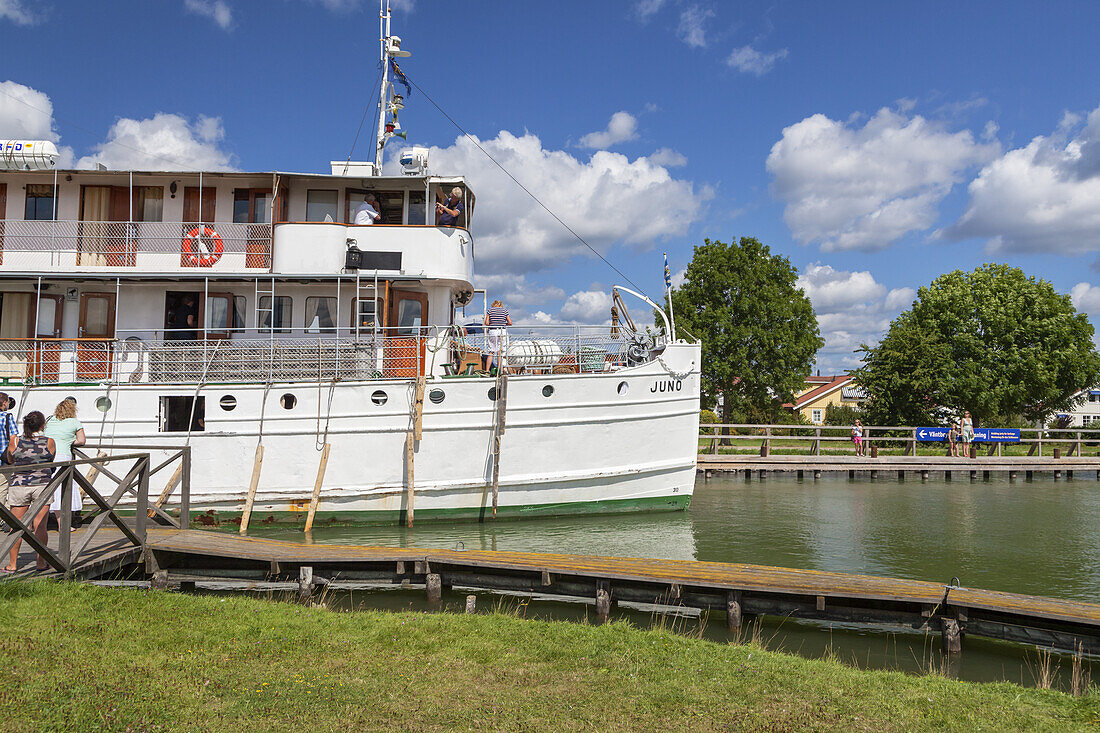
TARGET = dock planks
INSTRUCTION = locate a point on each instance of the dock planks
(197, 555)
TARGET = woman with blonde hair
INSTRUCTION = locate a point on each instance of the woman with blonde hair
(66, 431)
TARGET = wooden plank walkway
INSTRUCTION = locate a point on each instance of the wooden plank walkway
(923, 465)
(736, 590)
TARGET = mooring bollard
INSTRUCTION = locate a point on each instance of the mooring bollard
(471, 604)
(874, 451)
(305, 583)
(952, 639)
(434, 586)
(1057, 453)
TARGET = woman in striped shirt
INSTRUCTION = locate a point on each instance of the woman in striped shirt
(497, 320)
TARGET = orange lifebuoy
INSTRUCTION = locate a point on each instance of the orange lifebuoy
(196, 251)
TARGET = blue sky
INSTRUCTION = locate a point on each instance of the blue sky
(877, 145)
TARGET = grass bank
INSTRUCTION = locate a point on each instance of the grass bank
(75, 657)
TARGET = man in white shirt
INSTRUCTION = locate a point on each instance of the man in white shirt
(367, 213)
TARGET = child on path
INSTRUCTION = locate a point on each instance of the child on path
(857, 437)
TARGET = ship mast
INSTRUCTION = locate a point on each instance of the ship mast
(389, 102)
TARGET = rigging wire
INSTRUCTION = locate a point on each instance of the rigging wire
(366, 111)
(536, 199)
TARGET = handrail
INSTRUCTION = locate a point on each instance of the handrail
(133, 483)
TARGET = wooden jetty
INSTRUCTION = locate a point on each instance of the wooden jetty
(169, 553)
(920, 466)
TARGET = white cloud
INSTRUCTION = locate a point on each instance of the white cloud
(751, 61)
(647, 8)
(216, 10)
(587, 307)
(1043, 197)
(163, 142)
(693, 21)
(852, 308)
(607, 199)
(28, 113)
(17, 12)
(621, 127)
(862, 188)
(1086, 298)
(668, 157)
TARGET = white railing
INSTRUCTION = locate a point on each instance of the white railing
(388, 353)
(149, 246)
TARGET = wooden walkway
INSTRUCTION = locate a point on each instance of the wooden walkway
(184, 556)
(921, 466)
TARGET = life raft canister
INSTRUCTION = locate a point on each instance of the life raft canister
(197, 253)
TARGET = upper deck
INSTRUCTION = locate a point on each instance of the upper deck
(226, 224)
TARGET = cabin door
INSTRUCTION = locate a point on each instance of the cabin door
(405, 340)
(253, 206)
(97, 332)
(45, 356)
(104, 239)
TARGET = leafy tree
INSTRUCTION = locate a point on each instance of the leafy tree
(757, 328)
(842, 414)
(992, 341)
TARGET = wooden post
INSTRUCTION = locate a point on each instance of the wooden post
(817, 441)
(733, 610)
(1057, 453)
(952, 638)
(603, 603)
(93, 472)
(168, 489)
(305, 583)
(1078, 453)
(817, 475)
(160, 580)
(415, 434)
(256, 465)
(471, 604)
(434, 586)
(498, 432)
(317, 487)
(798, 474)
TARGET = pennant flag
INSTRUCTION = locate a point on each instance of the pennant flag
(668, 273)
(400, 76)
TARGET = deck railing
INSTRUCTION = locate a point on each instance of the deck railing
(127, 475)
(147, 246)
(383, 353)
(814, 439)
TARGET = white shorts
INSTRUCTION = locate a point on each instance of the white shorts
(497, 340)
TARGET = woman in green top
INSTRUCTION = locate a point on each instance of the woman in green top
(66, 432)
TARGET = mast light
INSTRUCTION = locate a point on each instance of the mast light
(393, 47)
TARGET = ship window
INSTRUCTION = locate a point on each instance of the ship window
(288, 401)
(320, 315)
(148, 203)
(238, 312)
(321, 205)
(218, 315)
(622, 388)
(410, 316)
(228, 403)
(176, 413)
(418, 212)
(493, 394)
(379, 397)
(366, 311)
(40, 202)
(391, 205)
(103, 404)
(437, 396)
(280, 313)
(547, 390)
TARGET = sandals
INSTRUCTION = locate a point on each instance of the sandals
(8, 571)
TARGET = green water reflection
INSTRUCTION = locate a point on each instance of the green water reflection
(1039, 537)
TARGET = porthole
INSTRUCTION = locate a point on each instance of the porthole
(436, 396)
(288, 401)
(228, 403)
(379, 397)
(622, 388)
(547, 390)
(492, 394)
(103, 404)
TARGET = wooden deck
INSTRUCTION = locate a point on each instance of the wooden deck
(184, 556)
(924, 466)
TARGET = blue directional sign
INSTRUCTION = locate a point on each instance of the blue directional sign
(981, 435)
(931, 435)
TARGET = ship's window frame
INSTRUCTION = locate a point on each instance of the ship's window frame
(176, 410)
(149, 203)
(269, 323)
(356, 312)
(392, 212)
(312, 312)
(330, 209)
(34, 208)
(219, 330)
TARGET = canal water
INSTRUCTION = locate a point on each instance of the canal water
(1039, 537)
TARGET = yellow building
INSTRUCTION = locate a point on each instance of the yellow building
(819, 392)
